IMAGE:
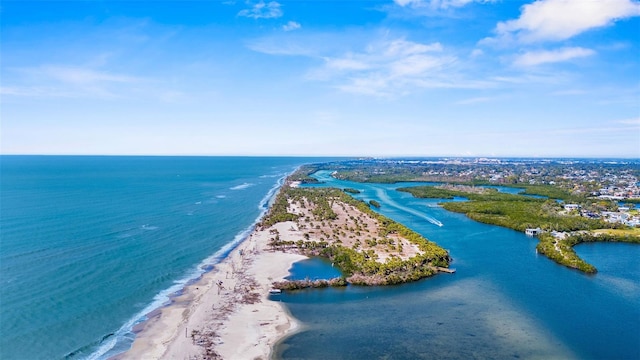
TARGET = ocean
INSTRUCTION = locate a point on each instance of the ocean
(504, 301)
(90, 244)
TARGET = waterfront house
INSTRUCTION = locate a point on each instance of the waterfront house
(533, 232)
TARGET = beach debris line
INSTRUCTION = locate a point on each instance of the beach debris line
(305, 284)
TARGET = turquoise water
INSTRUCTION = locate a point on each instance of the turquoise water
(504, 301)
(91, 244)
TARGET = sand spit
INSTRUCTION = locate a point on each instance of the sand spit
(227, 314)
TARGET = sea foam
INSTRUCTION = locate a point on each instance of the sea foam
(242, 186)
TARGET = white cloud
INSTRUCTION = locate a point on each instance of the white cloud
(263, 10)
(388, 67)
(555, 20)
(291, 25)
(533, 58)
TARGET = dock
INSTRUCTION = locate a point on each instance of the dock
(446, 270)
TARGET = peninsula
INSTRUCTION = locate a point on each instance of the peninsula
(227, 314)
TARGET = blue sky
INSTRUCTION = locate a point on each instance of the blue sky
(356, 78)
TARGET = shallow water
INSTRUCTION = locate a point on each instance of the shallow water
(313, 269)
(504, 301)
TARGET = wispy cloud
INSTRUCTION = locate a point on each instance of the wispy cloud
(438, 4)
(570, 92)
(389, 67)
(533, 58)
(633, 121)
(556, 20)
(291, 25)
(34, 91)
(80, 75)
(262, 10)
(476, 100)
(67, 81)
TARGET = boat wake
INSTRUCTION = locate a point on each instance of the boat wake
(382, 194)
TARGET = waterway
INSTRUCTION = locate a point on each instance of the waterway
(504, 301)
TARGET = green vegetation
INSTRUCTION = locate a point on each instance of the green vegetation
(374, 203)
(375, 178)
(278, 213)
(304, 284)
(351, 191)
(561, 250)
(360, 267)
(519, 212)
(303, 174)
(516, 212)
(431, 192)
(550, 191)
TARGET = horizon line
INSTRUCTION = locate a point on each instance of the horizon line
(609, 157)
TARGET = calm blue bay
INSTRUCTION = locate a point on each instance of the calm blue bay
(91, 244)
(504, 301)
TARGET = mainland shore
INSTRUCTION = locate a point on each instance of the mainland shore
(227, 313)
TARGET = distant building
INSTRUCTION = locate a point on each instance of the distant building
(570, 207)
(559, 235)
(533, 232)
(610, 197)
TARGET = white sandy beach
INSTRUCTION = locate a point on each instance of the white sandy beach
(233, 321)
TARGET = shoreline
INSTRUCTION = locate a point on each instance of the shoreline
(233, 320)
(227, 314)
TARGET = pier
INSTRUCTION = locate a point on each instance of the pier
(446, 270)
